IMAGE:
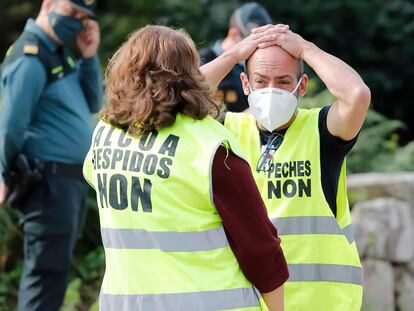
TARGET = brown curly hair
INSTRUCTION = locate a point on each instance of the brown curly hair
(153, 76)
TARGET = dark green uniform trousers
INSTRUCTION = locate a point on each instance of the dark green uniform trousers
(51, 218)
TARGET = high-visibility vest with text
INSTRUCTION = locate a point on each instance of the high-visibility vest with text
(165, 246)
(324, 266)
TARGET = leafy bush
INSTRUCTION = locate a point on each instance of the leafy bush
(9, 284)
(87, 265)
(377, 148)
(83, 290)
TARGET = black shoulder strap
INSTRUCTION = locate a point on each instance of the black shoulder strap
(56, 65)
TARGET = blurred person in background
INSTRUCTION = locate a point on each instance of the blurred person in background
(242, 21)
(297, 157)
(45, 129)
(174, 234)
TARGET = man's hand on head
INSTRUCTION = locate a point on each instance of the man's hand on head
(291, 42)
(217, 69)
(264, 35)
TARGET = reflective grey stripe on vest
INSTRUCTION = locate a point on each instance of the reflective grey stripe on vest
(349, 233)
(207, 300)
(164, 241)
(325, 273)
(311, 225)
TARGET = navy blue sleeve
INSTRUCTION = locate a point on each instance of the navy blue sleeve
(22, 84)
(206, 55)
(333, 151)
(91, 79)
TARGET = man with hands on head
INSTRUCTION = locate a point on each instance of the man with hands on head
(297, 157)
(48, 99)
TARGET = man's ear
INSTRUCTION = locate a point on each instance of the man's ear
(303, 85)
(245, 83)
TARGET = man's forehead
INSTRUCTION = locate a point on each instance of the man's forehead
(270, 59)
(272, 55)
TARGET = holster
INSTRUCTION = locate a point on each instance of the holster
(24, 176)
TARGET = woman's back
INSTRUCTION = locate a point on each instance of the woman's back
(164, 241)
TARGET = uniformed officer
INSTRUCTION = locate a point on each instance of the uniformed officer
(48, 98)
(297, 158)
(242, 21)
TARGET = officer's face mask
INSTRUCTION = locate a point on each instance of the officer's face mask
(272, 107)
(65, 27)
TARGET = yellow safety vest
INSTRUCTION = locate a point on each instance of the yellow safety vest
(165, 246)
(324, 266)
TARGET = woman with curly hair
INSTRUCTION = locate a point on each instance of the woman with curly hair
(182, 221)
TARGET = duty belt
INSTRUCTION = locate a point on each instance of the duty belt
(62, 169)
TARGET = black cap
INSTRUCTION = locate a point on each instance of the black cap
(87, 6)
(249, 16)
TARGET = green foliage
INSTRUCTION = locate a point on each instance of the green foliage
(9, 284)
(202, 19)
(94, 306)
(403, 159)
(83, 290)
(86, 269)
(9, 231)
(91, 267)
(317, 100)
(10, 258)
(13, 15)
(373, 36)
(377, 148)
(72, 295)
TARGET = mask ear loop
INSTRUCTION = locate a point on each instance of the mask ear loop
(297, 86)
(250, 88)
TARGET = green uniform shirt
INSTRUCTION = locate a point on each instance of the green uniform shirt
(47, 121)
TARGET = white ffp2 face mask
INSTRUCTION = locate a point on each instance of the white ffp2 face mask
(272, 107)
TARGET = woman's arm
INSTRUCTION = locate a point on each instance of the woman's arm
(251, 235)
(275, 299)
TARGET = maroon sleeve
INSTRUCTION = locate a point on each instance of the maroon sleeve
(251, 235)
